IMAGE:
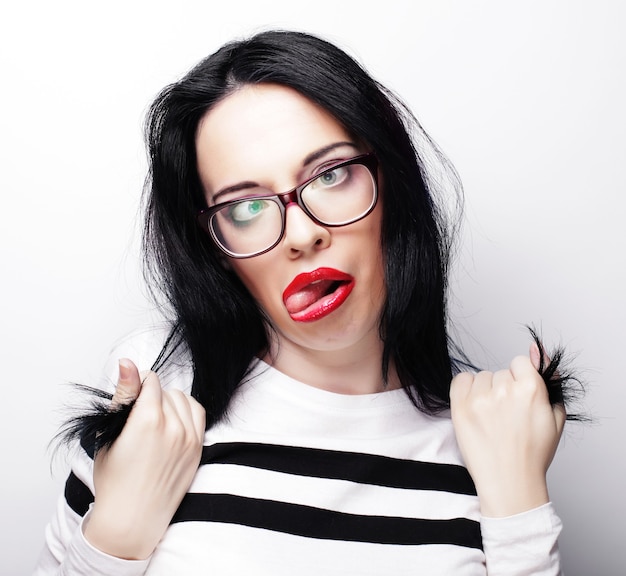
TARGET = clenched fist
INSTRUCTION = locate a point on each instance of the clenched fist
(508, 433)
(142, 478)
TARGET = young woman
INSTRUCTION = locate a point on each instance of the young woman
(305, 413)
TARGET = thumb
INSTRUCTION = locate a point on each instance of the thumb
(535, 355)
(128, 384)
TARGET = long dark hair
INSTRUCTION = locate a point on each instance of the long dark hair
(214, 318)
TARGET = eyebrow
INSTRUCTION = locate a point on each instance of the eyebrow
(312, 157)
(323, 151)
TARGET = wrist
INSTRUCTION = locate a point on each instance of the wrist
(114, 537)
(499, 500)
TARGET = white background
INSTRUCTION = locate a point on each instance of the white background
(528, 100)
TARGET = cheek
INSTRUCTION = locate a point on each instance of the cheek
(378, 286)
(374, 241)
(255, 276)
(378, 267)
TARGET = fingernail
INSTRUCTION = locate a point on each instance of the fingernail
(535, 355)
(124, 369)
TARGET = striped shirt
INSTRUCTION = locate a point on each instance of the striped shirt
(299, 480)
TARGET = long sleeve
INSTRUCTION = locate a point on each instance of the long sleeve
(79, 558)
(524, 544)
(66, 551)
(313, 482)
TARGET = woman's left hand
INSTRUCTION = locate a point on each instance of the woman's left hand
(508, 433)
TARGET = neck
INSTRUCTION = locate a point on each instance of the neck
(356, 370)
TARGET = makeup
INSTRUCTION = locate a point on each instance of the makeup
(313, 295)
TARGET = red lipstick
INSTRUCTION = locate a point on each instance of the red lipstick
(313, 295)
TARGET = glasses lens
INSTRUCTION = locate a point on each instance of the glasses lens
(247, 227)
(341, 195)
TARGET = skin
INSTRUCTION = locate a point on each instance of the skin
(508, 433)
(506, 429)
(142, 478)
(265, 134)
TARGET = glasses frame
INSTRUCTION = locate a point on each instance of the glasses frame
(293, 196)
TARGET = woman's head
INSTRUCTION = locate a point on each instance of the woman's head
(208, 296)
(321, 287)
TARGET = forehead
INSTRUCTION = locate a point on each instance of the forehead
(258, 129)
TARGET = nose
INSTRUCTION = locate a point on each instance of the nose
(303, 234)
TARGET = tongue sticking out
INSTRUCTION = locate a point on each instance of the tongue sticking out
(308, 295)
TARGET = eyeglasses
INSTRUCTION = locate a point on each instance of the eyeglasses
(340, 195)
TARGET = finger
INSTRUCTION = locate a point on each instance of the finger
(524, 372)
(560, 416)
(189, 411)
(198, 415)
(176, 407)
(502, 378)
(128, 384)
(535, 355)
(483, 382)
(460, 386)
(522, 367)
(151, 392)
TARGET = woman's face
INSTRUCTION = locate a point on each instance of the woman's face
(321, 288)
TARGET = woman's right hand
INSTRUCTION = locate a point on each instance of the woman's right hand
(142, 478)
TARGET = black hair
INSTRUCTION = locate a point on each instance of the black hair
(215, 319)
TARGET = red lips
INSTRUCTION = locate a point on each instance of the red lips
(313, 295)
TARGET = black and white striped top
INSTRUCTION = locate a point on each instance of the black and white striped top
(303, 481)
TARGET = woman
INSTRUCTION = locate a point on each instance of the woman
(303, 419)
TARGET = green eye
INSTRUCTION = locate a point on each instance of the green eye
(244, 212)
